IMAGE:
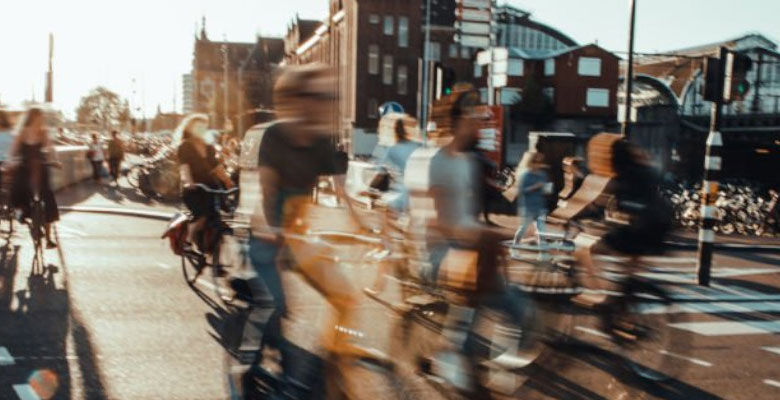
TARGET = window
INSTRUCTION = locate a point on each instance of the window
(403, 31)
(373, 19)
(387, 69)
(597, 98)
(373, 108)
(509, 96)
(453, 50)
(403, 79)
(465, 53)
(589, 66)
(515, 68)
(549, 67)
(549, 93)
(483, 95)
(477, 71)
(435, 54)
(539, 40)
(373, 59)
(388, 25)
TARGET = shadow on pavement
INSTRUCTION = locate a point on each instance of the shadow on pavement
(756, 257)
(631, 386)
(35, 322)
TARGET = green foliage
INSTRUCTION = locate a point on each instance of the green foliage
(103, 108)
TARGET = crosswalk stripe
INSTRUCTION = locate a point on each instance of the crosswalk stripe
(716, 307)
(5, 357)
(26, 392)
(725, 328)
(775, 350)
(771, 382)
(686, 358)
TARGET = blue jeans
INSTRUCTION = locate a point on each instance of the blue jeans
(530, 216)
(263, 256)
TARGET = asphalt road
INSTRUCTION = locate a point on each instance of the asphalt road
(113, 318)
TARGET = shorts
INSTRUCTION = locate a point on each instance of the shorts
(199, 202)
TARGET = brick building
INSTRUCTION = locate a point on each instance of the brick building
(249, 69)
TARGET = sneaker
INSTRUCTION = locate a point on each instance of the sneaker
(51, 245)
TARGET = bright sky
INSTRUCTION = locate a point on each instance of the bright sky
(113, 42)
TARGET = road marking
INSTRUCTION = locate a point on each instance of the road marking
(682, 357)
(725, 328)
(72, 230)
(772, 383)
(26, 392)
(716, 307)
(775, 350)
(164, 266)
(5, 357)
(593, 332)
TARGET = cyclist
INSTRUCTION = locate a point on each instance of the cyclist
(198, 164)
(639, 197)
(29, 152)
(454, 182)
(294, 152)
(6, 139)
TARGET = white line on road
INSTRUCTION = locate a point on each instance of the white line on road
(775, 350)
(725, 328)
(72, 230)
(593, 332)
(686, 358)
(717, 307)
(771, 382)
(164, 266)
(5, 357)
(26, 392)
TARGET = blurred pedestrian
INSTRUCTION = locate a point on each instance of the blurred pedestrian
(6, 140)
(31, 152)
(535, 185)
(116, 154)
(395, 160)
(96, 157)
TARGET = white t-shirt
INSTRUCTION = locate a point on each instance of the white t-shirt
(97, 151)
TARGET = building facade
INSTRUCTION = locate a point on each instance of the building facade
(230, 79)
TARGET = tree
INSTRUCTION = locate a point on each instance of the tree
(103, 108)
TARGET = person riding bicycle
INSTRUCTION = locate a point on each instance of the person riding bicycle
(30, 152)
(638, 197)
(294, 152)
(395, 159)
(458, 236)
(198, 165)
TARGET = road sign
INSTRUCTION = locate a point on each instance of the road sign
(499, 80)
(500, 67)
(500, 53)
(484, 57)
(474, 41)
(390, 107)
(476, 3)
(470, 14)
(473, 28)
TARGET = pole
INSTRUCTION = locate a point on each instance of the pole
(629, 73)
(712, 165)
(225, 83)
(756, 100)
(426, 72)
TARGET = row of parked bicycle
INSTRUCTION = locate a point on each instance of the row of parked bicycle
(743, 207)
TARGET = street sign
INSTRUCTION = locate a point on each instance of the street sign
(500, 67)
(484, 57)
(474, 41)
(499, 80)
(500, 54)
(470, 14)
(473, 28)
(477, 3)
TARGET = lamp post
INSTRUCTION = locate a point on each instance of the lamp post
(626, 128)
(425, 72)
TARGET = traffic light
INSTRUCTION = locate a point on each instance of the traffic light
(711, 71)
(444, 80)
(736, 85)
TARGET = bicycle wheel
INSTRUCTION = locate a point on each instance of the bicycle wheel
(192, 265)
(220, 278)
(642, 325)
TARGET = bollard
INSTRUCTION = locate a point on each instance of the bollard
(712, 165)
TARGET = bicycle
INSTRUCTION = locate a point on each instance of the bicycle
(206, 253)
(251, 376)
(637, 318)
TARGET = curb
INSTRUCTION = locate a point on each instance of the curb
(156, 215)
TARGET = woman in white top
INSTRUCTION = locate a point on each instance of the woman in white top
(96, 157)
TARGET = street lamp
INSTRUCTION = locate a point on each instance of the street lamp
(629, 72)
